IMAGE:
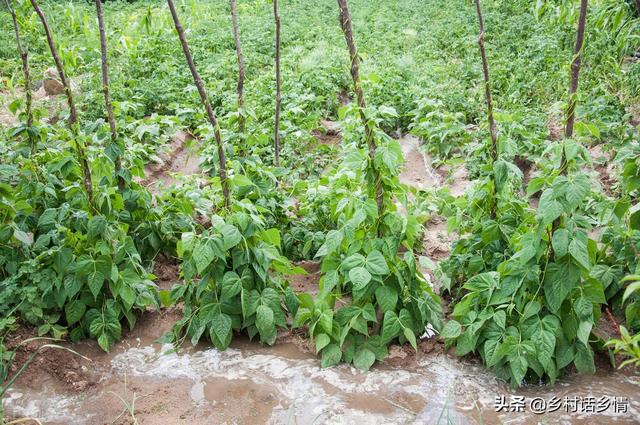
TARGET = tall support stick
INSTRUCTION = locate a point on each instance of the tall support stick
(240, 87)
(345, 24)
(107, 94)
(276, 135)
(575, 70)
(205, 100)
(73, 117)
(24, 56)
(487, 86)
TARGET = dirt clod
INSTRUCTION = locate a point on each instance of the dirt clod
(329, 134)
(167, 272)
(306, 282)
(51, 82)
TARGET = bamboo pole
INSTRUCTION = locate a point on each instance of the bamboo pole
(487, 86)
(575, 69)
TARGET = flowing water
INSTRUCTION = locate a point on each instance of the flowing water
(251, 384)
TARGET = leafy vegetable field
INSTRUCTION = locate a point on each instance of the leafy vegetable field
(335, 212)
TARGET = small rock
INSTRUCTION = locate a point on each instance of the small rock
(396, 352)
(71, 376)
(51, 83)
(80, 385)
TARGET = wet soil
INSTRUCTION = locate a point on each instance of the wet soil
(177, 160)
(7, 119)
(253, 384)
(167, 272)
(63, 367)
(417, 171)
(437, 240)
(526, 167)
(554, 124)
(306, 282)
(329, 133)
(455, 178)
(344, 97)
(604, 167)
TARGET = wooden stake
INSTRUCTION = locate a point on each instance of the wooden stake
(73, 118)
(73, 114)
(575, 69)
(276, 135)
(107, 94)
(345, 24)
(24, 56)
(205, 100)
(487, 86)
(240, 87)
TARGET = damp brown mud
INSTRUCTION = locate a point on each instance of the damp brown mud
(417, 170)
(179, 160)
(254, 384)
(328, 133)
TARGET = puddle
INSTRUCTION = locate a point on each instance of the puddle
(252, 384)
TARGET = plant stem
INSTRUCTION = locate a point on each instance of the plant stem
(73, 113)
(24, 56)
(345, 24)
(276, 133)
(107, 94)
(487, 86)
(205, 100)
(240, 87)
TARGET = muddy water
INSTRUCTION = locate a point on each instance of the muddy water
(251, 384)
